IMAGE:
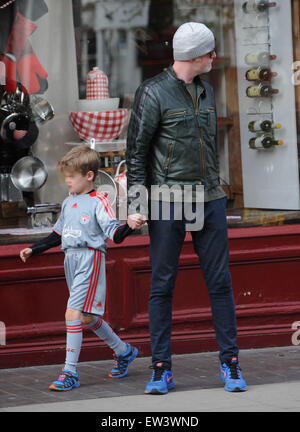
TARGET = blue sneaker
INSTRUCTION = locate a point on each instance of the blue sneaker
(231, 375)
(66, 381)
(161, 381)
(122, 362)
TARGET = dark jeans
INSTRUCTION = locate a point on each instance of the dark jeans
(211, 246)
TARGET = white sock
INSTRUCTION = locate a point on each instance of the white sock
(105, 332)
(74, 340)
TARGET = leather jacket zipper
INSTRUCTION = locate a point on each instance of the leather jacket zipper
(166, 166)
(201, 142)
(176, 113)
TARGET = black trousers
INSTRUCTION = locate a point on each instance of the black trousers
(211, 246)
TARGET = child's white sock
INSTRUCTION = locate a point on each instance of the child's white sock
(74, 340)
(105, 332)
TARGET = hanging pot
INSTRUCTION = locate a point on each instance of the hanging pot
(42, 110)
(18, 128)
(16, 99)
(28, 174)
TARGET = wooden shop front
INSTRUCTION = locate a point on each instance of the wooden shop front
(264, 264)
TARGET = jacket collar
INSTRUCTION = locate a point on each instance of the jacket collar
(197, 80)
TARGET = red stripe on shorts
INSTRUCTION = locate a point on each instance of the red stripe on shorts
(87, 307)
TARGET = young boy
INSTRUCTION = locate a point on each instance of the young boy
(85, 223)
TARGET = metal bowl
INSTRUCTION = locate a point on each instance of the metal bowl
(28, 174)
(41, 109)
(106, 185)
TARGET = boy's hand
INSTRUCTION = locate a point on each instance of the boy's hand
(135, 221)
(25, 254)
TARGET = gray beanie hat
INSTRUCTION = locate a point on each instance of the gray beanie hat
(192, 40)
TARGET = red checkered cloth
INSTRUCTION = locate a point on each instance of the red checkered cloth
(97, 85)
(100, 125)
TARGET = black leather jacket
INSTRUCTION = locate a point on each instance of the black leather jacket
(172, 138)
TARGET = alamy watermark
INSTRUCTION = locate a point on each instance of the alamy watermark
(174, 202)
(296, 335)
(2, 333)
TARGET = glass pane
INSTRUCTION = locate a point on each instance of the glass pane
(49, 48)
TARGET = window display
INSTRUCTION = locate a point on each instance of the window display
(266, 92)
(257, 5)
(69, 73)
(260, 58)
(262, 125)
(38, 66)
(263, 141)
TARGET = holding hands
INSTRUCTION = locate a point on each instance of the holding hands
(136, 220)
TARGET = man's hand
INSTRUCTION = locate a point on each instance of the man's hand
(136, 220)
(25, 254)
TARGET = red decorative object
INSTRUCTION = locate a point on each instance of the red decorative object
(96, 85)
(20, 61)
(98, 125)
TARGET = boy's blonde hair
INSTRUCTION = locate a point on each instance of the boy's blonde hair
(80, 159)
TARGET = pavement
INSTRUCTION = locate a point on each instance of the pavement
(272, 376)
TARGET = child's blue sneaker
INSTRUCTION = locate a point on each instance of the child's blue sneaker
(122, 362)
(231, 375)
(161, 381)
(66, 381)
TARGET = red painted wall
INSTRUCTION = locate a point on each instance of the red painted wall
(264, 264)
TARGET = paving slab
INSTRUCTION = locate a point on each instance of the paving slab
(272, 375)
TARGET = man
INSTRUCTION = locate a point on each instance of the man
(172, 140)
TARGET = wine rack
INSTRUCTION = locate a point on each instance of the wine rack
(264, 58)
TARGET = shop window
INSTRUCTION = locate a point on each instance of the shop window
(255, 77)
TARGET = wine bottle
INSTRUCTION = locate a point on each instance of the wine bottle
(264, 141)
(262, 58)
(259, 74)
(257, 5)
(262, 125)
(260, 90)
